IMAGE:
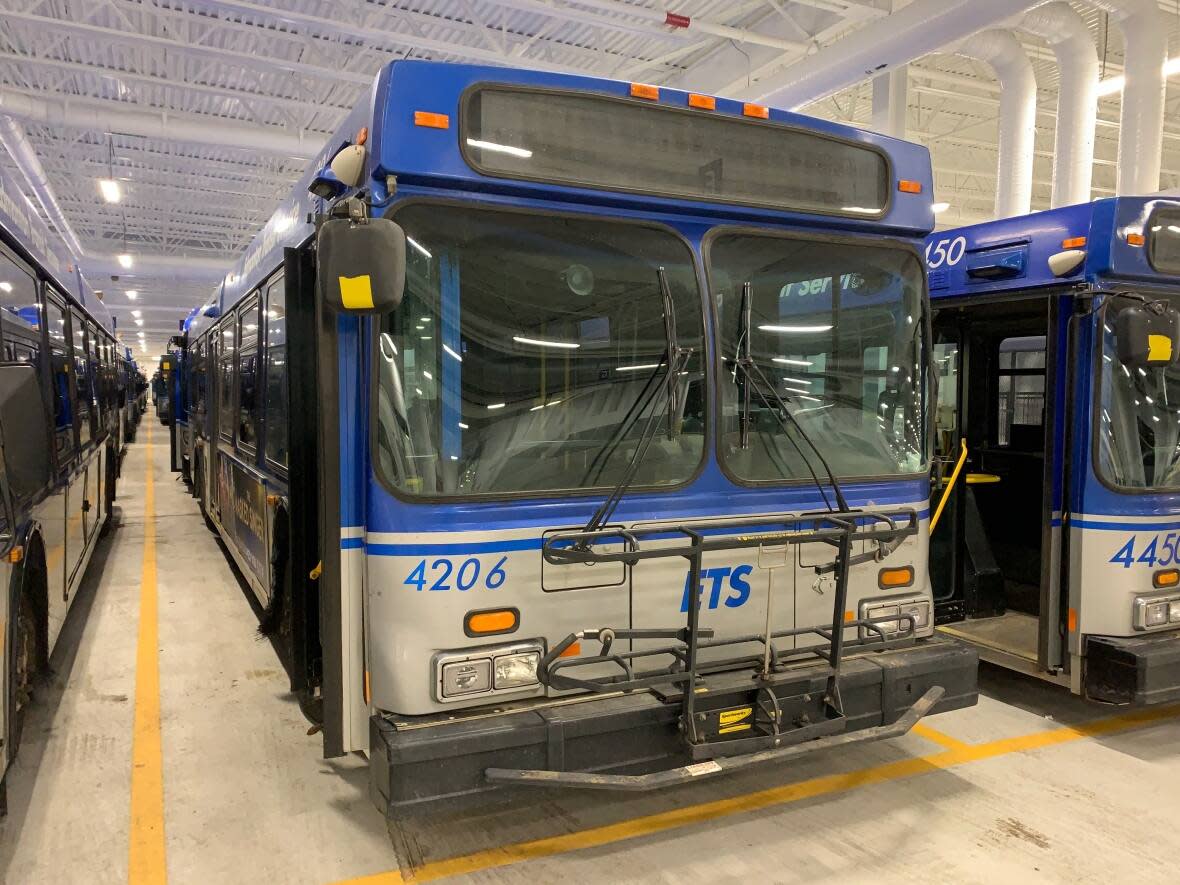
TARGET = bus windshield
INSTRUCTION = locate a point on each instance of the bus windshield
(521, 346)
(1139, 420)
(837, 328)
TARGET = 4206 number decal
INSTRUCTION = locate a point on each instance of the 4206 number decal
(445, 574)
(1153, 553)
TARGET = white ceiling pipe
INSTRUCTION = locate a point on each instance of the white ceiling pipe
(1018, 116)
(923, 27)
(1077, 98)
(165, 268)
(1141, 120)
(13, 137)
(100, 115)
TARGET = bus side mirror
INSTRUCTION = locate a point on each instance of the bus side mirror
(1148, 336)
(362, 265)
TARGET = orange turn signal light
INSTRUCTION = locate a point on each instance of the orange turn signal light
(756, 110)
(909, 187)
(16, 554)
(704, 102)
(1135, 239)
(572, 652)
(491, 622)
(362, 135)
(1073, 242)
(431, 120)
(895, 577)
(1167, 578)
(642, 90)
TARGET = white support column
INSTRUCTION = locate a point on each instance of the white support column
(890, 101)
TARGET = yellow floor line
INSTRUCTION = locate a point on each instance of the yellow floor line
(146, 859)
(833, 783)
(938, 737)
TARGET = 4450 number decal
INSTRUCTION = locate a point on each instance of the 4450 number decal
(1151, 552)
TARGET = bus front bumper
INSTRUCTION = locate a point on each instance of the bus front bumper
(1139, 670)
(633, 741)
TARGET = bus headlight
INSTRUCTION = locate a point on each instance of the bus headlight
(513, 671)
(466, 677)
(882, 611)
(488, 671)
(1156, 612)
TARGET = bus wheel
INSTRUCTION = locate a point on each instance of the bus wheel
(275, 620)
(23, 665)
(199, 491)
(109, 476)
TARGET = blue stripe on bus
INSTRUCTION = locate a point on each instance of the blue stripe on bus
(1126, 526)
(467, 547)
(453, 548)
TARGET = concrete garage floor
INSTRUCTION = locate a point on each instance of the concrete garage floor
(1031, 785)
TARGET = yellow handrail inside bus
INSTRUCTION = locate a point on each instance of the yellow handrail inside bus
(946, 493)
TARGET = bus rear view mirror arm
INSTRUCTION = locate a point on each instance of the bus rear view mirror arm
(362, 265)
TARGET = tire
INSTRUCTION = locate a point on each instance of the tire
(199, 491)
(110, 480)
(23, 664)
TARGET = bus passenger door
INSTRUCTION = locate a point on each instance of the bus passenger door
(995, 553)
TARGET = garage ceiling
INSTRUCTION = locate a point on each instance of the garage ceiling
(236, 95)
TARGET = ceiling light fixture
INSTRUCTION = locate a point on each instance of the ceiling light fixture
(110, 190)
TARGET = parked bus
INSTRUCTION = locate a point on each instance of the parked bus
(59, 370)
(570, 396)
(162, 382)
(1056, 340)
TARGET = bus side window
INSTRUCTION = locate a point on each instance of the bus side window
(225, 378)
(1021, 393)
(276, 373)
(247, 376)
(82, 382)
(59, 374)
(18, 305)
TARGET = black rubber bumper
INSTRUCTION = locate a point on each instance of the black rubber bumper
(417, 760)
(1138, 670)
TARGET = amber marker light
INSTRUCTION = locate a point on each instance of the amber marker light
(491, 622)
(895, 577)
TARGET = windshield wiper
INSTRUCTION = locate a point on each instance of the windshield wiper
(673, 361)
(751, 380)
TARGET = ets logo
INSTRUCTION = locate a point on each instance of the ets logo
(732, 581)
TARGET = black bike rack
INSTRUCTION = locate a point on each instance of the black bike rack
(883, 531)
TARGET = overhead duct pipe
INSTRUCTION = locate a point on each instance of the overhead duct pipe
(923, 27)
(159, 267)
(13, 137)
(1018, 116)
(1077, 98)
(1141, 120)
(106, 116)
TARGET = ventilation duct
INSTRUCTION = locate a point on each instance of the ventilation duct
(1018, 116)
(1077, 98)
(1141, 120)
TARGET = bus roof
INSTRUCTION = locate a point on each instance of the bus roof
(1116, 241)
(412, 116)
(29, 234)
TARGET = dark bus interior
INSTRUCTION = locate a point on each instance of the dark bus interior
(989, 562)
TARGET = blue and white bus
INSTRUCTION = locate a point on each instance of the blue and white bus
(1056, 341)
(545, 421)
(59, 446)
